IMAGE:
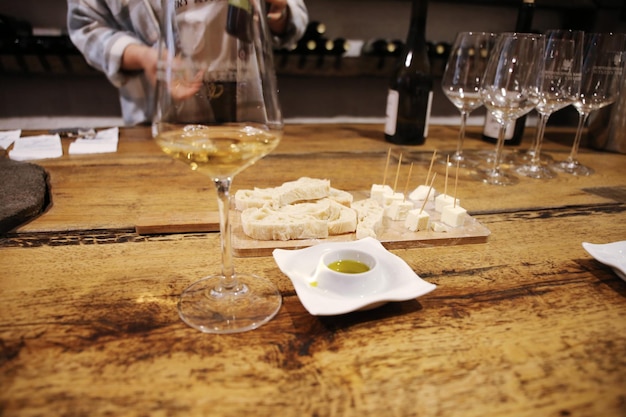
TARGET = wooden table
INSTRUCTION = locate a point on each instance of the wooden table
(526, 324)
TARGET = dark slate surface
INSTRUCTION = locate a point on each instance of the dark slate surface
(23, 193)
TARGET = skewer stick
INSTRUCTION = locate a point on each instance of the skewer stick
(432, 161)
(456, 181)
(406, 186)
(386, 166)
(445, 188)
(395, 183)
(428, 193)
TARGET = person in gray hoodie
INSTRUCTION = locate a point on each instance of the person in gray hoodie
(119, 38)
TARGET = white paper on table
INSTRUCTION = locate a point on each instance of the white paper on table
(105, 141)
(36, 147)
(7, 137)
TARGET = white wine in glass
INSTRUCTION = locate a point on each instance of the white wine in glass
(603, 62)
(510, 89)
(461, 83)
(217, 111)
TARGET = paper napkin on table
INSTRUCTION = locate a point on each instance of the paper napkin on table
(105, 141)
(36, 147)
(7, 137)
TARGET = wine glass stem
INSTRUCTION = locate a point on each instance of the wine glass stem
(582, 119)
(541, 128)
(229, 281)
(499, 147)
(459, 145)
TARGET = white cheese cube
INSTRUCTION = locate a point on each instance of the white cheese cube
(416, 220)
(420, 193)
(453, 216)
(378, 191)
(389, 199)
(443, 200)
(398, 210)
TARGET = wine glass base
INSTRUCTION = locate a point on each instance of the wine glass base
(496, 177)
(535, 171)
(463, 160)
(204, 307)
(573, 168)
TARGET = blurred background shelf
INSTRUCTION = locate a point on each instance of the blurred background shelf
(42, 75)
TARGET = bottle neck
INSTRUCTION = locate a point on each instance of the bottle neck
(525, 16)
(417, 28)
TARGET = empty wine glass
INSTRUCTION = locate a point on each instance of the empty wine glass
(561, 75)
(461, 83)
(603, 63)
(510, 89)
(217, 110)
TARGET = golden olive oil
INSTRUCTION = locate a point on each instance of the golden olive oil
(349, 266)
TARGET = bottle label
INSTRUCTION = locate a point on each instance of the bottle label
(391, 113)
(492, 128)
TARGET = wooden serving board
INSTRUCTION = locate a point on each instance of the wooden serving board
(394, 236)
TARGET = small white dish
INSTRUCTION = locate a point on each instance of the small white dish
(355, 284)
(610, 254)
(398, 281)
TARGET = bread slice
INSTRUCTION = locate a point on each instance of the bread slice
(259, 197)
(266, 223)
(302, 189)
(315, 220)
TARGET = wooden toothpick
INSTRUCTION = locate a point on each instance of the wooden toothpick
(395, 183)
(445, 188)
(386, 166)
(428, 193)
(456, 181)
(408, 178)
(432, 161)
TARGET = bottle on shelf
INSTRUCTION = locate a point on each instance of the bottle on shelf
(314, 30)
(515, 131)
(410, 91)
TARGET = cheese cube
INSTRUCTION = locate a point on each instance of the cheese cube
(378, 191)
(398, 210)
(416, 220)
(453, 216)
(420, 193)
(443, 200)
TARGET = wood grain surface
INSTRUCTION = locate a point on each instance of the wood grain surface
(526, 324)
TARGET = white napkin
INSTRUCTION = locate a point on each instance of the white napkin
(36, 147)
(7, 137)
(105, 141)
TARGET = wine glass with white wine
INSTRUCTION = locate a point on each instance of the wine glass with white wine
(461, 83)
(217, 110)
(603, 63)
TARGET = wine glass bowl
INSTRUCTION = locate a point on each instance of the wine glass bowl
(560, 85)
(217, 110)
(510, 89)
(602, 67)
(461, 83)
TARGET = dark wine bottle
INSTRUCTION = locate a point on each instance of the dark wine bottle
(239, 19)
(411, 88)
(515, 131)
(314, 30)
(378, 47)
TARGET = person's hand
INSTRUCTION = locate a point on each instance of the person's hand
(138, 57)
(277, 16)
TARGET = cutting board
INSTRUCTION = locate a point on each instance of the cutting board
(394, 236)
